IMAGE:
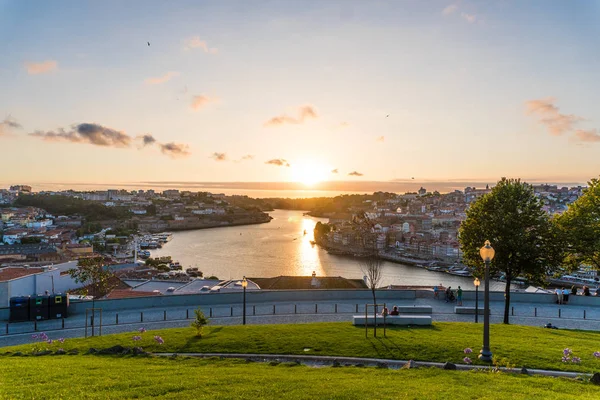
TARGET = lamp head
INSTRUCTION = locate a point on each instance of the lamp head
(476, 282)
(244, 283)
(487, 251)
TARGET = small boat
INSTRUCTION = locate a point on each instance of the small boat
(460, 272)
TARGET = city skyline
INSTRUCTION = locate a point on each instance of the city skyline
(299, 92)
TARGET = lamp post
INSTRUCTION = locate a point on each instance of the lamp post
(244, 285)
(487, 254)
(476, 282)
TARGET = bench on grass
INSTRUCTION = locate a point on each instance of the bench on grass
(393, 320)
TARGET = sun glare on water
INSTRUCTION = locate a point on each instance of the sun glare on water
(309, 173)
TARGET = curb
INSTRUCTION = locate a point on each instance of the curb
(331, 360)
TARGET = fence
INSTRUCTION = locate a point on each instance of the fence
(123, 318)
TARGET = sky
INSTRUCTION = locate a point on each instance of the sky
(308, 91)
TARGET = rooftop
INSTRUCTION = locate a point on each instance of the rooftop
(9, 273)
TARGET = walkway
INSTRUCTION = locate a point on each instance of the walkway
(532, 314)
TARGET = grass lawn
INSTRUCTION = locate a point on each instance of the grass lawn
(522, 346)
(109, 377)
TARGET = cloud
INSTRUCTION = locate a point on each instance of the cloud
(588, 136)
(8, 124)
(450, 9)
(304, 113)
(147, 140)
(41, 67)
(280, 162)
(174, 150)
(334, 171)
(248, 157)
(196, 43)
(161, 79)
(99, 135)
(355, 173)
(381, 138)
(549, 115)
(219, 156)
(470, 18)
(200, 101)
(95, 134)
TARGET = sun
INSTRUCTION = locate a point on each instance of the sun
(309, 173)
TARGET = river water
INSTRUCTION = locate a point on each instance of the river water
(280, 247)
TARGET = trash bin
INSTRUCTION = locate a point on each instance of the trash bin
(19, 309)
(57, 306)
(38, 308)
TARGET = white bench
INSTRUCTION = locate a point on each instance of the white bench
(413, 309)
(393, 320)
(468, 310)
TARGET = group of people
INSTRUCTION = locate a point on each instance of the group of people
(562, 294)
(449, 295)
(385, 312)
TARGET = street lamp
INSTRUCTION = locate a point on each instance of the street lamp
(476, 282)
(487, 254)
(244, 285)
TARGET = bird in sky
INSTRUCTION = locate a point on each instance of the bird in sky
(387, 115)
(413, 177)
(148, 43)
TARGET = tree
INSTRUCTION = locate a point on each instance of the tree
(199, 321)
(93, 273)
(580, 226)
(521, 232)
(372, 267)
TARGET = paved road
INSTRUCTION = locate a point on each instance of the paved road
(571, 317)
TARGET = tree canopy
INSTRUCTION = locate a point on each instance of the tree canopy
(512, 219)
(580, 226)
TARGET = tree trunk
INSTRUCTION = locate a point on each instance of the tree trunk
(507, 298)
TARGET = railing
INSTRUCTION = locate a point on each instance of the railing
(123, 318)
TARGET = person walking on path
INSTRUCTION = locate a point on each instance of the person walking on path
(559, 295)
(459, 296)
(448, 291)
(565, 295)
(436, 292)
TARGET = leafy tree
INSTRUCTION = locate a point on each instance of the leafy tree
(199, 321)
(31, 240)
(96, 277)
(580, 225)
(521, 232)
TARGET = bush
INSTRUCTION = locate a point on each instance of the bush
(199, 321)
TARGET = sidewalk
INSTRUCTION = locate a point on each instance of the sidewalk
(571, 317)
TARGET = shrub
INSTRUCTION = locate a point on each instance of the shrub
(199, 321)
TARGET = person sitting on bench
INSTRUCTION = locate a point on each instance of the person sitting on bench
(395, 311)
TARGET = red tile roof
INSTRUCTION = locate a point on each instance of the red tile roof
(7, 274)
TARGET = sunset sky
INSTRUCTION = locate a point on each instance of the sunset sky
(292, 90)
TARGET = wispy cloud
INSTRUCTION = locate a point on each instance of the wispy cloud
(355, 173)
(197, 43)
(7, 124)
(334, 171)
(200, 101)
(95, 134)
(381, 139)
(588, 136)
(175, 150)
(280, 162)
(248, 157)
(43, 67)
(147, 140)
(304, 113)
(161, 79)
(470, 18)
(549, 115)
(98, 135)
(219, 156)
(450, 9)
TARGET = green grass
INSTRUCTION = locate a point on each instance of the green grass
(107, 377)
(522, 346)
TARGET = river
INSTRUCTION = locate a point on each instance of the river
(280, 247)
